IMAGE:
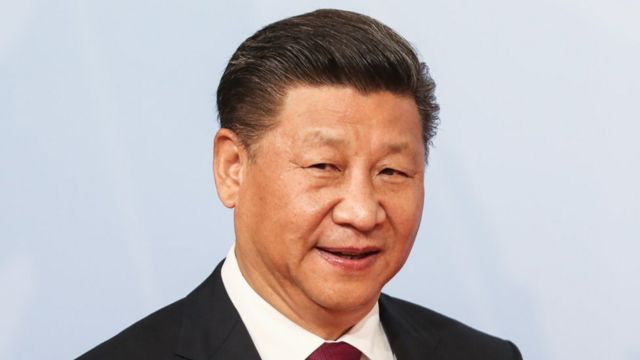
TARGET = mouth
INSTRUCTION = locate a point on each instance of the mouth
(349, 253)
(349, 258)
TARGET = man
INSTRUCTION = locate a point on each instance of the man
(325, 121)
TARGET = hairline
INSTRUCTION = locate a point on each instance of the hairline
(271, 121)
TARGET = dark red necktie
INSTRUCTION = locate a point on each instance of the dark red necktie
(335, 351)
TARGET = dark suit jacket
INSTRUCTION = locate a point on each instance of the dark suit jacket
(206, 325)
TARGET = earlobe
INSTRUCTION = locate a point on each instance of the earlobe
(228, 160)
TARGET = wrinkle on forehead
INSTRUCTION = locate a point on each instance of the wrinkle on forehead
(316, 117)
(322, 138)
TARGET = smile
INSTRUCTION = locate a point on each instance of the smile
(349, 258)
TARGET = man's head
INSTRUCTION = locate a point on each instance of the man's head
(325, 121)
(324, 47)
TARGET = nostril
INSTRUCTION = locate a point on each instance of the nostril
(363, 216)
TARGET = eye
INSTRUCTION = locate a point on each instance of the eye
(390, 171)
(324, 166)
(320, 166)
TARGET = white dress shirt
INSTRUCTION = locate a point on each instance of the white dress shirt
(276, 337)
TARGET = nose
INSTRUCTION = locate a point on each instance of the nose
(359, 206)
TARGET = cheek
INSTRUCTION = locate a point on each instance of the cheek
(311, 211)
(310, 200)
(312, 204)
(404, 213)
(298, 215)
(404, 210)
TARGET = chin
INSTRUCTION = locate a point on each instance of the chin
(347, 300)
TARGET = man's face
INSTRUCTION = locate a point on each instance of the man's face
(328, 209)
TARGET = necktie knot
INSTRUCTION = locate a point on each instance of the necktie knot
(335, 351)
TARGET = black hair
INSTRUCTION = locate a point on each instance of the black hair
(323, 47)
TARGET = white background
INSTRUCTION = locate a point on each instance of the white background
(108, 211)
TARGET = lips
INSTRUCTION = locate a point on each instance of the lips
(350, 253)
(349, 258)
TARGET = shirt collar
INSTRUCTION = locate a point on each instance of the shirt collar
(277, 337)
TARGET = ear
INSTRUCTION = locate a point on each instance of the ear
(229, 158)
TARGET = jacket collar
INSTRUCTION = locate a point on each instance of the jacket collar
(211, 326)
(409, 339)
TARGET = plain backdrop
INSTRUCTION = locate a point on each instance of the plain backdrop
(108, 210)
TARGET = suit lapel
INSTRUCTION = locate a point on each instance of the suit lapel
(408, 340)
(211, 326)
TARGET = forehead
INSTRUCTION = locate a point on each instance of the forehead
(341, 101)
(334, 115)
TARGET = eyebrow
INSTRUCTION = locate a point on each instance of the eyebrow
(395, 148)
(319, 138)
